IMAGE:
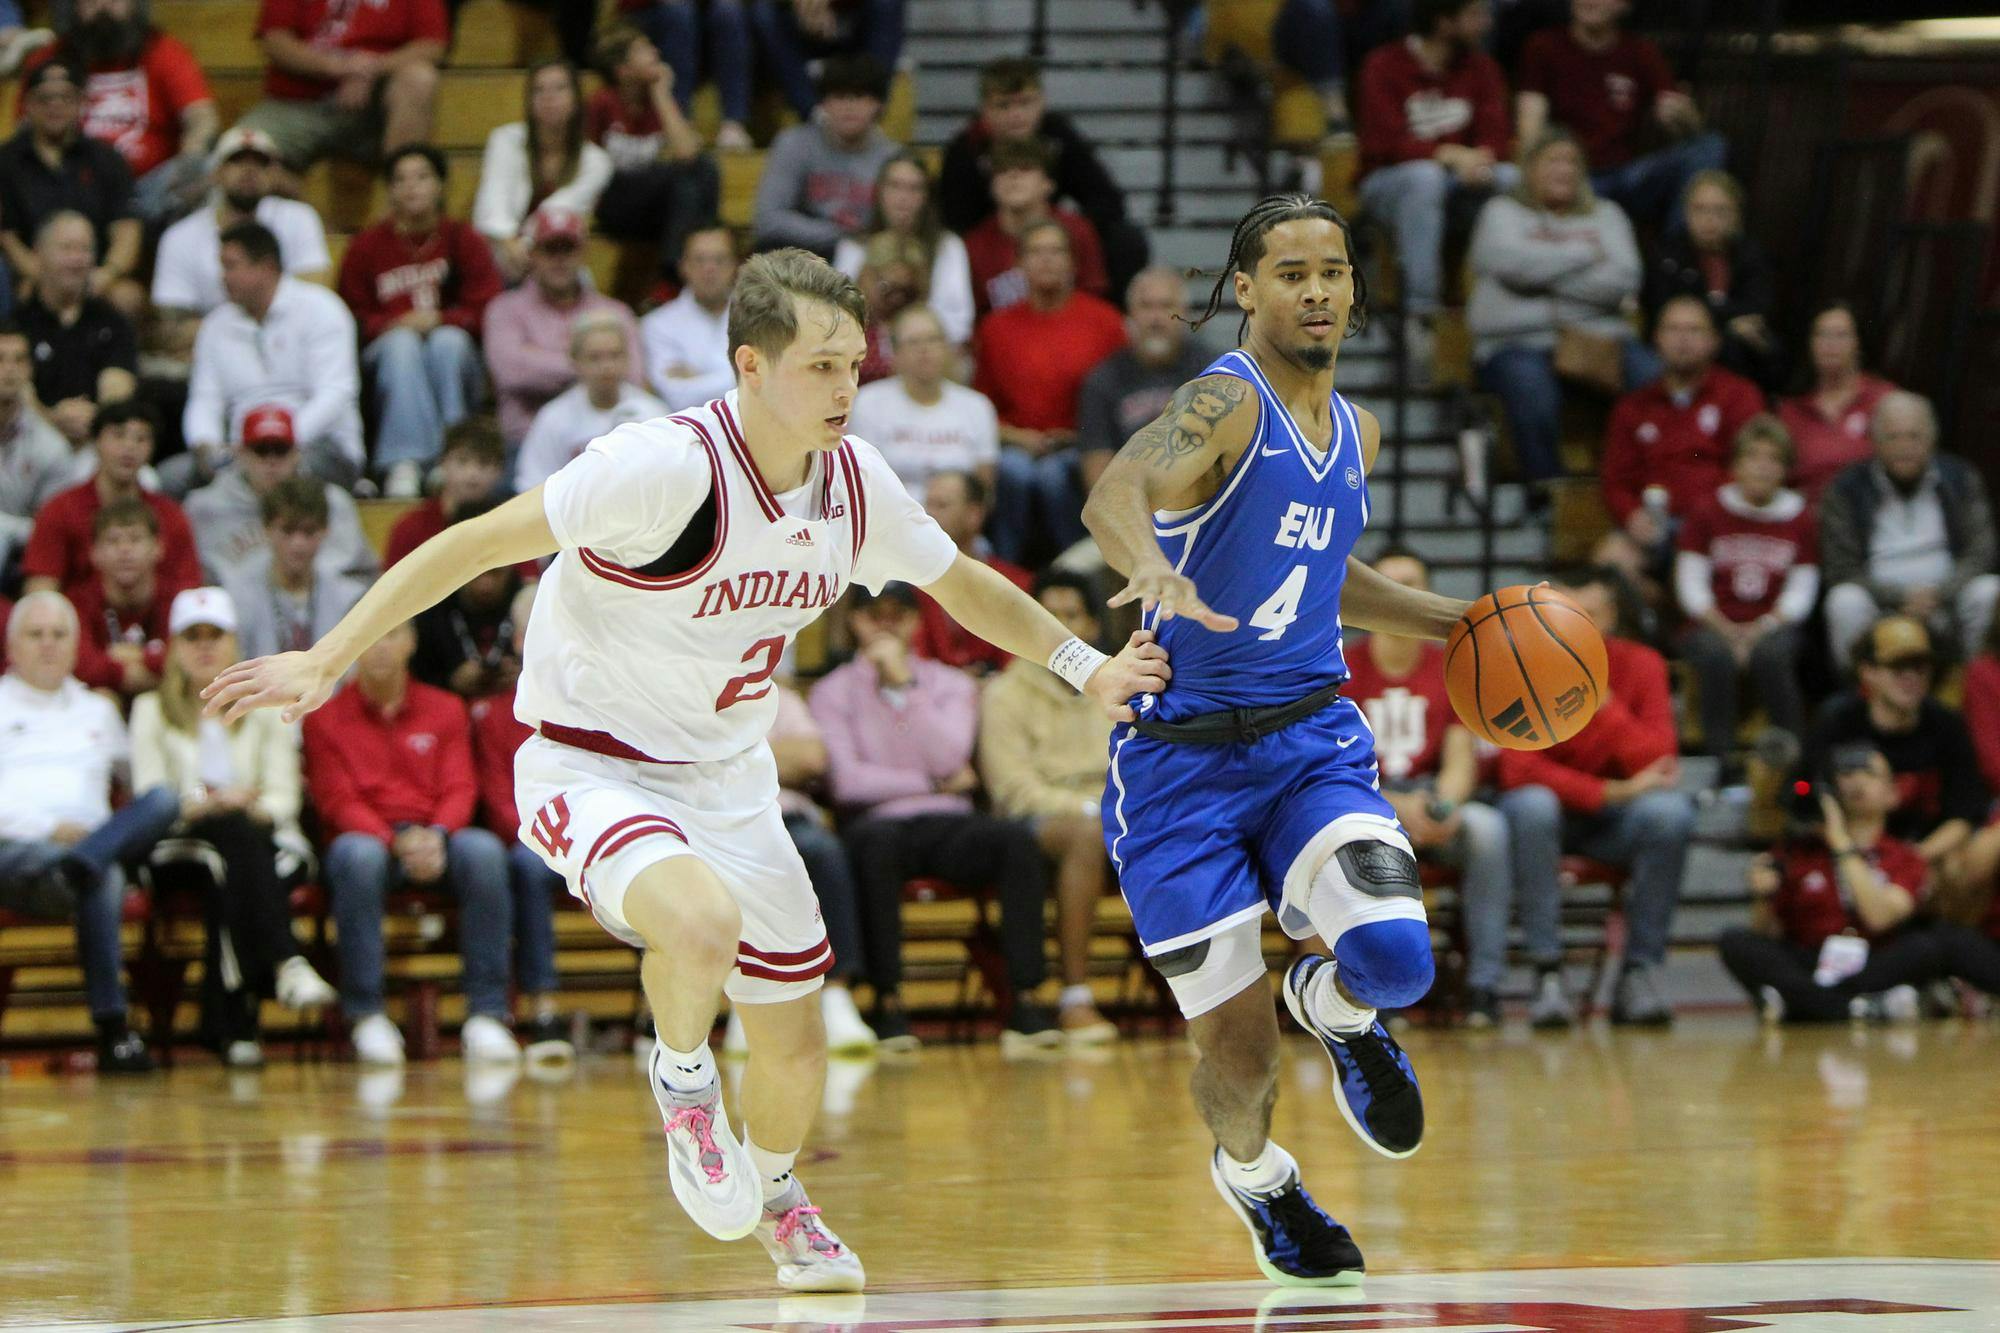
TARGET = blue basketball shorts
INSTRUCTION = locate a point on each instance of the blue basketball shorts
(1207, 837)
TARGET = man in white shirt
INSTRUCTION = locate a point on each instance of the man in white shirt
(687, 340)
(61, 847)
(35, 459)
(187, 272)
(600, 400)
(228, 513)
(922, 422)
(276, 340)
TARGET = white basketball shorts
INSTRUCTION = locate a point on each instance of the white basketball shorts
(598, 821)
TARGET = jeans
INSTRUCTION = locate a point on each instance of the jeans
(1649, 188)
(1319, 44)
(874, 26)
(1959, 622)
(360, 870)
(1484, 855)
(33, 881)
(535, 888)
(1909, 957)
(976, 851)
(1647, 835)
(661, 202)
(1411, 197)
(1773, 670)
(1036, 501)
(1530, 392)
(676, 28)
(833, 881)
(423, 382)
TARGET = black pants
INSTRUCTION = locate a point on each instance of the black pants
(1968, 955)
(662, 202)
(253, 907)
(833, 883)
(1773, 671)
(976, 851)
(1909, 957)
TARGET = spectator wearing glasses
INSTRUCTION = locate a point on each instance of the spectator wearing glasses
(228, 513)
(51, 166)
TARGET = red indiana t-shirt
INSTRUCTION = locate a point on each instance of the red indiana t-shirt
(632, 137)
(1810, 903)
(137, 107)
(997, 280)
(1408, 716)
(379, 26)
(1603, 96)
(1750, 551)
(1032, 363)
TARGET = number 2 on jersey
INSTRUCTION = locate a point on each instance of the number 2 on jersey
(1281, 608)
(756, 684)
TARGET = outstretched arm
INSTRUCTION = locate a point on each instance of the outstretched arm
(987, 603)
(300, 682)
(1371, 602)
(1211, 419)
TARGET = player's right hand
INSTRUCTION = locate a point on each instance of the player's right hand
(295, 683)
(1175, 595)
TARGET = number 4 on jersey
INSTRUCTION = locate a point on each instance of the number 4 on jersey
(1281, 608)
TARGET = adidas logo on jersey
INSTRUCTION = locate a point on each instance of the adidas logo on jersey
(803, 537)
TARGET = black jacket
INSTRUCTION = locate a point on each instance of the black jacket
(965, 194)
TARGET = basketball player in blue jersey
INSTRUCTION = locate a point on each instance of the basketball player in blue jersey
(1250, 782)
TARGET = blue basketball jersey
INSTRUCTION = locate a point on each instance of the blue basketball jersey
(1270, 548)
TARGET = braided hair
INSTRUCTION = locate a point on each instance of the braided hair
(1246, 247)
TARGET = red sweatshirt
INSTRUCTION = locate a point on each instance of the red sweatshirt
(1406, 111)
(496, 734)
(102, 626)
(1634, 728)
(1032, 363)
(386, 274)
(59, 547)
(997, 280)
(370, 774)
(943, 639)
(1654, 440)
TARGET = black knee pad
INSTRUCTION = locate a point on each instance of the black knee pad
(1380, 869)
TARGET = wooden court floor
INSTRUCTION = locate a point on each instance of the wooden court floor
(309, 1190)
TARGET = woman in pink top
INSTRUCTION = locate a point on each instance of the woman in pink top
(1829, 421)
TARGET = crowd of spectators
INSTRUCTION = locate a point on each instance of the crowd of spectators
(182, 444)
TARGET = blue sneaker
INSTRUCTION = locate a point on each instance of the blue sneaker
(1295, 1244)
(1373, 1082)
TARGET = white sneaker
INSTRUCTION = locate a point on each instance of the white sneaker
(299, 987)
(243, 1055)
(488, 1041)
(1902, 1004)
(711, 1172)
(377, 1041)
(404, 482)
(847, 1033)
(735, 1045)
(809, 1256)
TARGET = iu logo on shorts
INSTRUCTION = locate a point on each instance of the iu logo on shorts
(551, 827)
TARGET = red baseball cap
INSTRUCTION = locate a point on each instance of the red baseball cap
(269, 424)
(556, 224)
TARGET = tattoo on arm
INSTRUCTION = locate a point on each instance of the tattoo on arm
(1189, 420)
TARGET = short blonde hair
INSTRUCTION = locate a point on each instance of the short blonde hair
(1555, 136)
(761, 311)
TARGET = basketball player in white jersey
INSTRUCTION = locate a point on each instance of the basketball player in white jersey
(688, 551)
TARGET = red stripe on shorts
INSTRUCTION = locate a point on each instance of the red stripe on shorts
(629, 830)
(753, 969)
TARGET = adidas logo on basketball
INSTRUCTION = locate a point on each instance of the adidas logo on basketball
(803, 537)
(1514, 720)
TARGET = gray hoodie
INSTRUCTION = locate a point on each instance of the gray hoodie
(35, 463)
(1536, 272)
(228, 521)
(262, 614)
(814, 192)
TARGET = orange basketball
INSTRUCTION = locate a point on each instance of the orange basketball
(1525, 668)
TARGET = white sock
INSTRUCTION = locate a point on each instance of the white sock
(1335, 1012)
(1262, 1175)
(774, 1169)
(1073, 996)
(686, 1071)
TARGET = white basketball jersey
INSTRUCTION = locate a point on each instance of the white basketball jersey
(635, 655)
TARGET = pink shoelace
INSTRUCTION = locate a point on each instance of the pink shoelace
(695, 1120)
(800, 1219)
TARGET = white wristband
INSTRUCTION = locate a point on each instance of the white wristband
(1075, 661)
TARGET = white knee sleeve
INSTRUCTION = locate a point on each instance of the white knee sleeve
(1208, 972)
(1357, 869)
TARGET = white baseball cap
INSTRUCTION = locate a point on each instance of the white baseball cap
(202, 606)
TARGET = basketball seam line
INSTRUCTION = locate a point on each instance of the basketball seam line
(1596, 691)
(1522, 667)
(1478, 703)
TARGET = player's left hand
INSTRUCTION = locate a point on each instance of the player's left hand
(1140, 668)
